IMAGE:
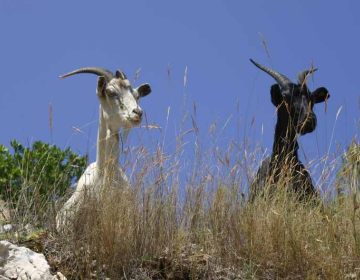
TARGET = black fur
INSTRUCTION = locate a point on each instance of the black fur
(295, 116)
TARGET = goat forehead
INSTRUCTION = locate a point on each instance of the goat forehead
(120, 87)
(113, 85)
(300, 100)
(297, 93)
(119, 83)
(125, 83)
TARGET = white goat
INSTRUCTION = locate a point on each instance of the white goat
(118, 108)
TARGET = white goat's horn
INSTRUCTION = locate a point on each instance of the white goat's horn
(92, 70)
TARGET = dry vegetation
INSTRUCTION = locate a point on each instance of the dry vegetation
(159, 230)
(166, 228)
(193, 221)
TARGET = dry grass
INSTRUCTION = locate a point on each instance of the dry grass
(192, 221)
(204, 229)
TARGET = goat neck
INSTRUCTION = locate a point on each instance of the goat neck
(108, 150)
(285, 138)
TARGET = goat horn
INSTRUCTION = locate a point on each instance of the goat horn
(302, 75)
(92, 70)
(279, 78)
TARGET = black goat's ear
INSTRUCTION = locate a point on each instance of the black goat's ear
(143, 90)
(276, 96)
(320, 95)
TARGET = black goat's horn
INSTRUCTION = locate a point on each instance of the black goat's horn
(302, 75)
(92, 70)
(279, 78)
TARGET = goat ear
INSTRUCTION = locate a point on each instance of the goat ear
(320, 95)
(100, 91)
(276, 96)
(120, 74)
(143, 90)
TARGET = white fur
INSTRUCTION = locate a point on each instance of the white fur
(118, 108)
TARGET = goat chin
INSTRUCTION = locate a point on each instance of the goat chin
(308, 128)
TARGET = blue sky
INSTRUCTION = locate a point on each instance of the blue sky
(213, 39)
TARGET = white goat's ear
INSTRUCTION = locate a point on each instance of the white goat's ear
(143, 90)
(100, 91)
(120, 74)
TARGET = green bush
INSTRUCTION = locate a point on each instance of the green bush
(43, 171)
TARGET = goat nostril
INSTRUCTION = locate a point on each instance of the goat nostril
(138, 112)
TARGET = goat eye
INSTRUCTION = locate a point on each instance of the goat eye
(111, 93)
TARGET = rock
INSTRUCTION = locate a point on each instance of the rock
(7, 227)
(5, 213)
(22, 263)
(58, 276)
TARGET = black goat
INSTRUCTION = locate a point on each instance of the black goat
(295, 116)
